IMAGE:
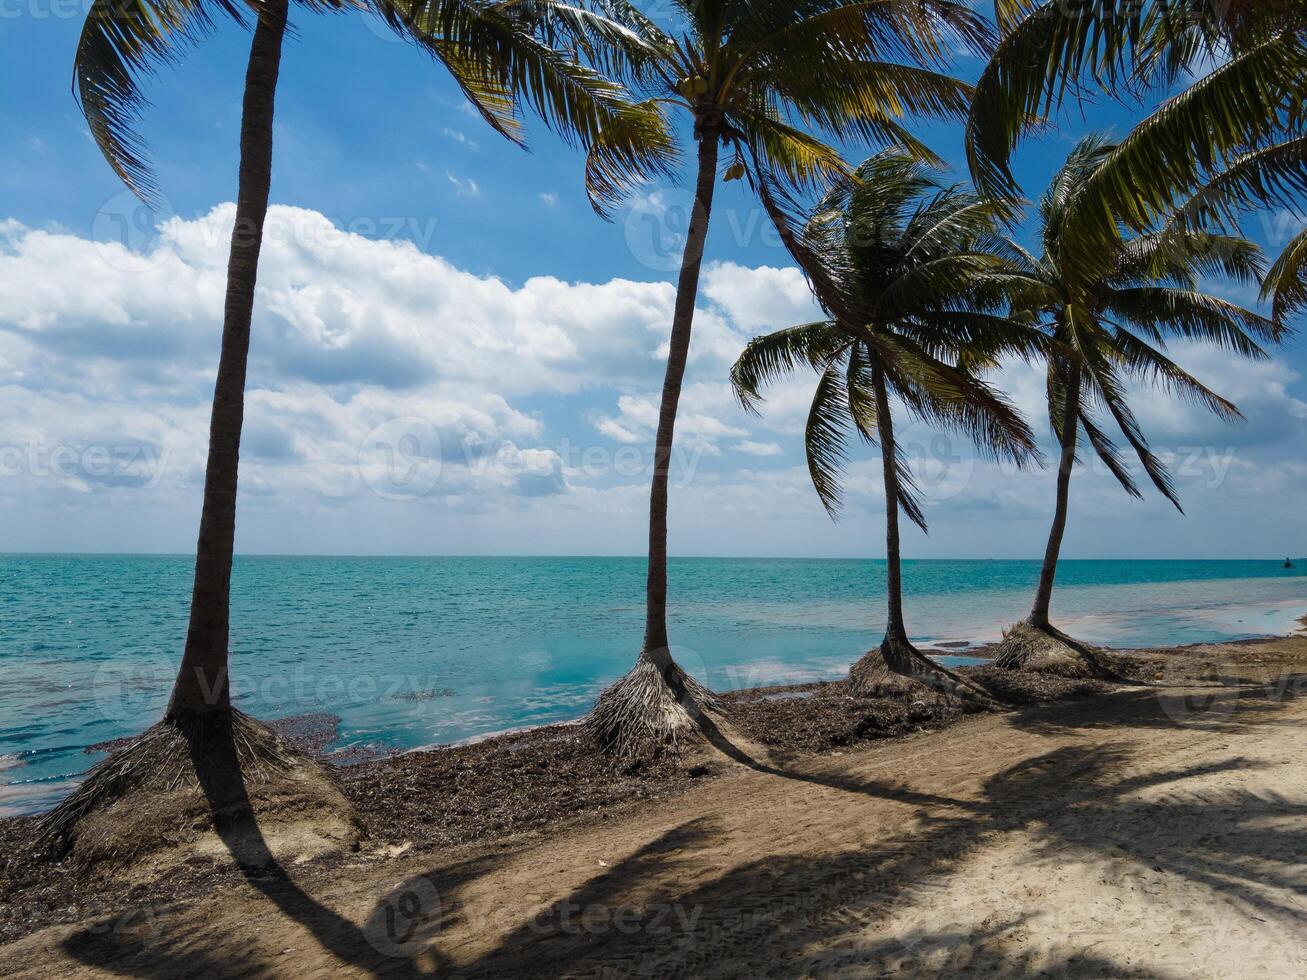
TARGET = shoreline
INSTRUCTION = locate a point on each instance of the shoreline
(544, 817)
(974, 650)
(314, 732)
(506, 790)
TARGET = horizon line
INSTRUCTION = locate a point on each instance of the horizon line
(624, 556)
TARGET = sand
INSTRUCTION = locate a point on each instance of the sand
(1151, 831)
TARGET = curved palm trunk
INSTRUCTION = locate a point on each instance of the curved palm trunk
(1068, 438)
(897, 656)
(1036, 644)
(896, 633)
(687, 295)
(649, 710)
(202, 683)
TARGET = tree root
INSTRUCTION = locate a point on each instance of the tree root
(214, 781)
(897, 668)
(651, 711)
(1047, 650)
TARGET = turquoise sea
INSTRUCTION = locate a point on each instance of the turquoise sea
(413, 652)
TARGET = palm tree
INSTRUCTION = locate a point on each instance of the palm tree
(752, 79)
(912, 274)
(1285, 285)
(1108, 323)
(1242, 65)
(500, 56)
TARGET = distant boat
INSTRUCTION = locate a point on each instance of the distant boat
(1288, 563)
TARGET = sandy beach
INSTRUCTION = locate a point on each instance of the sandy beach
(1151, 830)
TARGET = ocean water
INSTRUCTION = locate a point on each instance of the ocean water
(410, 652)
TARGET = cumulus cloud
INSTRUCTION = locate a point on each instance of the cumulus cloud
(761, 299)
(382, 375)
(752, 448)
(102, 345)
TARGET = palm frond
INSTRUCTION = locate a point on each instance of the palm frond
(825, 439)
(631, 149)
(947, 397)
(769, 358)
(1194, 316)
(1110, 392)
(1107, 451)
(122, 43)
(1286, 283)
(1182, 257)
(1272, 176)
(1152, 366)
(1045, 50)
(1171, 154)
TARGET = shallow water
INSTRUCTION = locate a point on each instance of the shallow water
(412, 652)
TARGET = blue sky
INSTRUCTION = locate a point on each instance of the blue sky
(452, 354)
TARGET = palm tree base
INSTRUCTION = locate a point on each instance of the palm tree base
(896, 668)
(218, 785)
(1045, 649)
(651, 711)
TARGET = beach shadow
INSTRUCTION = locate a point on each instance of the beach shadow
(806, 914)
(1227, 705)
(719, 740)
(659, 911)
(397, 930)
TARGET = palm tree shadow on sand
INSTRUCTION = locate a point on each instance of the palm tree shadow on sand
(806, 913)
(397, 925)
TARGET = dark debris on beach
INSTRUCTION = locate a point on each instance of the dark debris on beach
(506, 788)
(498, 787)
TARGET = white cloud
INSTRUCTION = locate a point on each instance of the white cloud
(550, 200)
(101, 345)
(105, 348)
(461, 138)
(464, 186)
(751, 448)
(761, 299)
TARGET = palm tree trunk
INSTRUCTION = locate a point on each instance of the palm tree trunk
(897, 663)
(1068, 439)
(202, 682)
(656, 644)
(895, 630)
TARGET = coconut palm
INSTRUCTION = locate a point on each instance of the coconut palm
(754, 80)
(1285, 285)
(499, 56)
(1242, 69)
(912, 274)
(1109, 323)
